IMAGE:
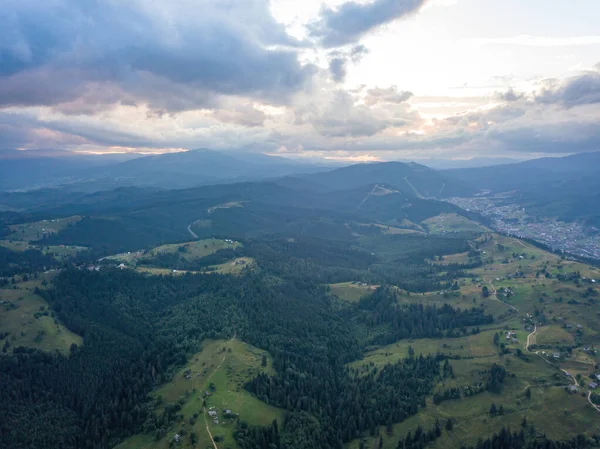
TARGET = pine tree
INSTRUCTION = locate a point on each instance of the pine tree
(449, 425)
(389, 428)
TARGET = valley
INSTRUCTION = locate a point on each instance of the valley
(511, 218)
(280, 315)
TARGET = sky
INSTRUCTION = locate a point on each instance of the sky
(361, 80)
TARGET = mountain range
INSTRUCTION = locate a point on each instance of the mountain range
(26, 170)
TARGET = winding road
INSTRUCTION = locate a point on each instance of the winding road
(590, 401)
(192, 232)
(571, 376)
(496, 296)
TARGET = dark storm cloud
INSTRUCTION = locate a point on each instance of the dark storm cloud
(577, 91)
(174, 57)
(350, 21)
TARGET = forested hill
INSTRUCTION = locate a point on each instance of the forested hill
(522, 175)
(140, 326)
(130, 218)
(285, 315)
(413, 179)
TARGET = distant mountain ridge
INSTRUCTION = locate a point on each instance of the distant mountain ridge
(565, 188)
(32, 169)
(411, 178)
(527, 174)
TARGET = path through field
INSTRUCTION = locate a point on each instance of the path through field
(207, 379)
(529, 337)
(590, 401)
(496, 296)
(571, 376)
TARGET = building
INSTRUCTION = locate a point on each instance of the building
(593, 385)
(556, 355)
(573, 389)
(212, 413)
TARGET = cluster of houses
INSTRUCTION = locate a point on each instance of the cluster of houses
(516, 275)
(506, 292)
(212, 412)
(512, 337)
(362, 284)
(594, 384)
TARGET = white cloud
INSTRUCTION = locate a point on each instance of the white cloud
(539, 41)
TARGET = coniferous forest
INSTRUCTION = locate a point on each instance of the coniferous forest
(139, 327)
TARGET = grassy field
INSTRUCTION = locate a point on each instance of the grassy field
(566, 314)
(233, 267)
(59, 252)
(30, 321)
(410, 228)
(189, 251)
(236, 266)
(348, 291)
(35, 231)
(553, 335)
(228, 205)
(551, 409)
(227, 365)
(447, 223)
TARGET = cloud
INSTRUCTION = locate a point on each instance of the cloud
(553, 136)
(241, 114)
(350, 21)
(539, 41)
(339, 59)
(337, 67)
(386, 95)
(172, 56)
(342, 114)
(576, 91)
(510, 95)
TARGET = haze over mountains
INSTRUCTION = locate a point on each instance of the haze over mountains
(21, 171)
(564, 188)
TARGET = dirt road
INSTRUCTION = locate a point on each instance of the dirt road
(496, 296)
(571, 376)
(590, 401)
(529, 337)
(192, 232)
